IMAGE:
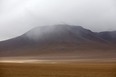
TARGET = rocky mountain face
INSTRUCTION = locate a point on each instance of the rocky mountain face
(59, 39)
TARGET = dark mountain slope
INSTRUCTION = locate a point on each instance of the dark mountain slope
(108, 35)
(55, 40)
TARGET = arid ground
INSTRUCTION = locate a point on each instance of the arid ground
(74, 69)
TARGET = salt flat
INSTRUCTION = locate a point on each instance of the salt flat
(36, 60)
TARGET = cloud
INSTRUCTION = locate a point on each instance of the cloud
(19, 16)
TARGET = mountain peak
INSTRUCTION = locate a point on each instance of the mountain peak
(53, 31)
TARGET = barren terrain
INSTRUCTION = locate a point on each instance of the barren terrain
(58, 69)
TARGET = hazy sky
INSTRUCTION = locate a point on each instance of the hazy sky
(19, 16)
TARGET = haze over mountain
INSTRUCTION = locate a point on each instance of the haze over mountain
(61, 40)
(108, 35)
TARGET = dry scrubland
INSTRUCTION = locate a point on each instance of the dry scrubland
(58, 70)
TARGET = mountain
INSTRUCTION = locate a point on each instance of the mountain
(108, 35)
(61, 41)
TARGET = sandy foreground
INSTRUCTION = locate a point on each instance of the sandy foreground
(56, 67)
(50, 69)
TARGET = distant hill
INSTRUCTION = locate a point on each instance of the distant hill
(108, 35)
(61, 40)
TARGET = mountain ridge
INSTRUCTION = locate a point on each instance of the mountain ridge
(58, 39)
